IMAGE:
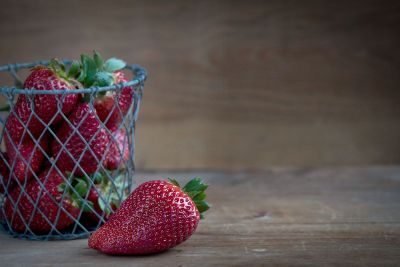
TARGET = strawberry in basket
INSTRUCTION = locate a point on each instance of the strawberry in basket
(111, 106)
(85, 141)
(100, 196)
(84, 136)
(26, 158)
(42, 193)
(118, 153)
(45, 106)
(25, 124)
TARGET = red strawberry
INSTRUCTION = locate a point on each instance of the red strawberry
(94, 198)
(20, 210)
(85, 124)
(22, 111)
(122, 101)
(4, 172)
(118, 152)
(158, 215)
(20, 156)
(111, 106)
(45, 106)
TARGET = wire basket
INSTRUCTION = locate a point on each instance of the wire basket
(66, 171)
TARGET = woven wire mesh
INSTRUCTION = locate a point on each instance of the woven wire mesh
(34, 204)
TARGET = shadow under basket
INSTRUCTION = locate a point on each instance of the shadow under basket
(66, 165)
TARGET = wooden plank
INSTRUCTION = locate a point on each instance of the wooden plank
(237, 85)
(281, 217)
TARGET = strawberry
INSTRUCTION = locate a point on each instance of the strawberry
(111, 106)
(45, 106)
(85, 142)
(158, 215)
(118, 152)
(101, 195)
(114, 105)
(19, 206)
(22, 111)
(4, 172)
(27, 153)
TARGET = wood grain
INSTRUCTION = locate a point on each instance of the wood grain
(237, 84)
(280, 217)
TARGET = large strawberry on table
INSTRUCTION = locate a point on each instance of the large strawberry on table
(158, 215)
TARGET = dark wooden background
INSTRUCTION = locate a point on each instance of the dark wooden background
(237, 84)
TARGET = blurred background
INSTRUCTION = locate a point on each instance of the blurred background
(237, 85)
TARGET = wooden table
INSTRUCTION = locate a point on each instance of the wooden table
(281, 217)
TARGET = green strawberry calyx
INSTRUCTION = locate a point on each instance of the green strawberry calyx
(60, 70)
(113, 192)
(76, 189)
(110, 194)
(94, 71)
(195, 189)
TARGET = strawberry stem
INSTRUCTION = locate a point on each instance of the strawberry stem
(195, 189)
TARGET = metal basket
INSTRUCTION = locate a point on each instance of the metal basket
(19, 195)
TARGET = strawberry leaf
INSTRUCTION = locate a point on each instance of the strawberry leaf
(103, 79)
(102, 204)
(98, 60)
(97, 177)
(193, 194)
(58, 68)
(89, 70)
(174, 182)
(82, 74)
(81, 187)
(195, 185)
(114, 64)
(202, 206)
(74, 69)
(200, 196)
(86, 206)
(61, 187)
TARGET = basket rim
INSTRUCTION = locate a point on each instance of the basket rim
(139, 79)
